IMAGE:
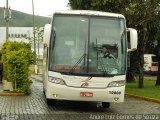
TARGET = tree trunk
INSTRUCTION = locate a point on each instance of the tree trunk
(38, 46)
(130, 77)
(141, 48)
(158, 74)
(141, 74)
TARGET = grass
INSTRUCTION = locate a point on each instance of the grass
(149, 90)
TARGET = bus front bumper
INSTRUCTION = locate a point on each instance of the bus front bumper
(63, 92)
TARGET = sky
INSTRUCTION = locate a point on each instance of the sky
(41, 7)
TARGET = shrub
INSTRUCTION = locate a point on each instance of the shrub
(16, 58)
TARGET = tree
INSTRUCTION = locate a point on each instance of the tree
(157, 50)
(158, 54)
(146, 12)
(17, 57)
(38, 37)
(139, 14)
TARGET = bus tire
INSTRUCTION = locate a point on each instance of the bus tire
(44, 91)
(51, 102)
(105, 104)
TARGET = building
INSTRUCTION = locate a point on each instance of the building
(16, 34)
(20, 34)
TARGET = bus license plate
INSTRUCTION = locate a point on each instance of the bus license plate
(86, 94)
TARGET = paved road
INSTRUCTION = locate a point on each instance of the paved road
(34, 107)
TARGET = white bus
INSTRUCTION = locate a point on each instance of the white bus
(150, 64)
(73, 66)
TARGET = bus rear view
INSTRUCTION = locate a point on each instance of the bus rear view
(76, 66)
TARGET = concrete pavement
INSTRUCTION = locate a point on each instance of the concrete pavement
(34, 107)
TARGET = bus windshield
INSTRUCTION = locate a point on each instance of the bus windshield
(78, 45)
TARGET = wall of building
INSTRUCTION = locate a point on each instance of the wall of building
(20, 34)
(16, 34)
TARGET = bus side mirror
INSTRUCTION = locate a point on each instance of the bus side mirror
(46, 34)
(132, 39)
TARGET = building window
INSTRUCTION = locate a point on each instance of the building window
(25, 35)
(22, 35)
(19, 36)
(12, 35)
(16, 35)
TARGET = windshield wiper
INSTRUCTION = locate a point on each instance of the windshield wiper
(77, 63)
(79, 60)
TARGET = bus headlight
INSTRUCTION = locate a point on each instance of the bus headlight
(117, 83)
(56, 80)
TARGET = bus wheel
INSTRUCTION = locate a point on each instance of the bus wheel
(51, 102)
(105, 104)
(44, 92)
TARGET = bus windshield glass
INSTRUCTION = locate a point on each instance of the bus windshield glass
(88, 45)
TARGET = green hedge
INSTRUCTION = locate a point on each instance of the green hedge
(16, 58)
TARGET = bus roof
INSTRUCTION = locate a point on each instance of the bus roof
(90, 13)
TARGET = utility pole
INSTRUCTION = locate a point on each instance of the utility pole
(33, 27)
(7, 15)
(34, 37)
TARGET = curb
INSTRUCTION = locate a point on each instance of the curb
(36, 79)
(12, 94)
(143, 98)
